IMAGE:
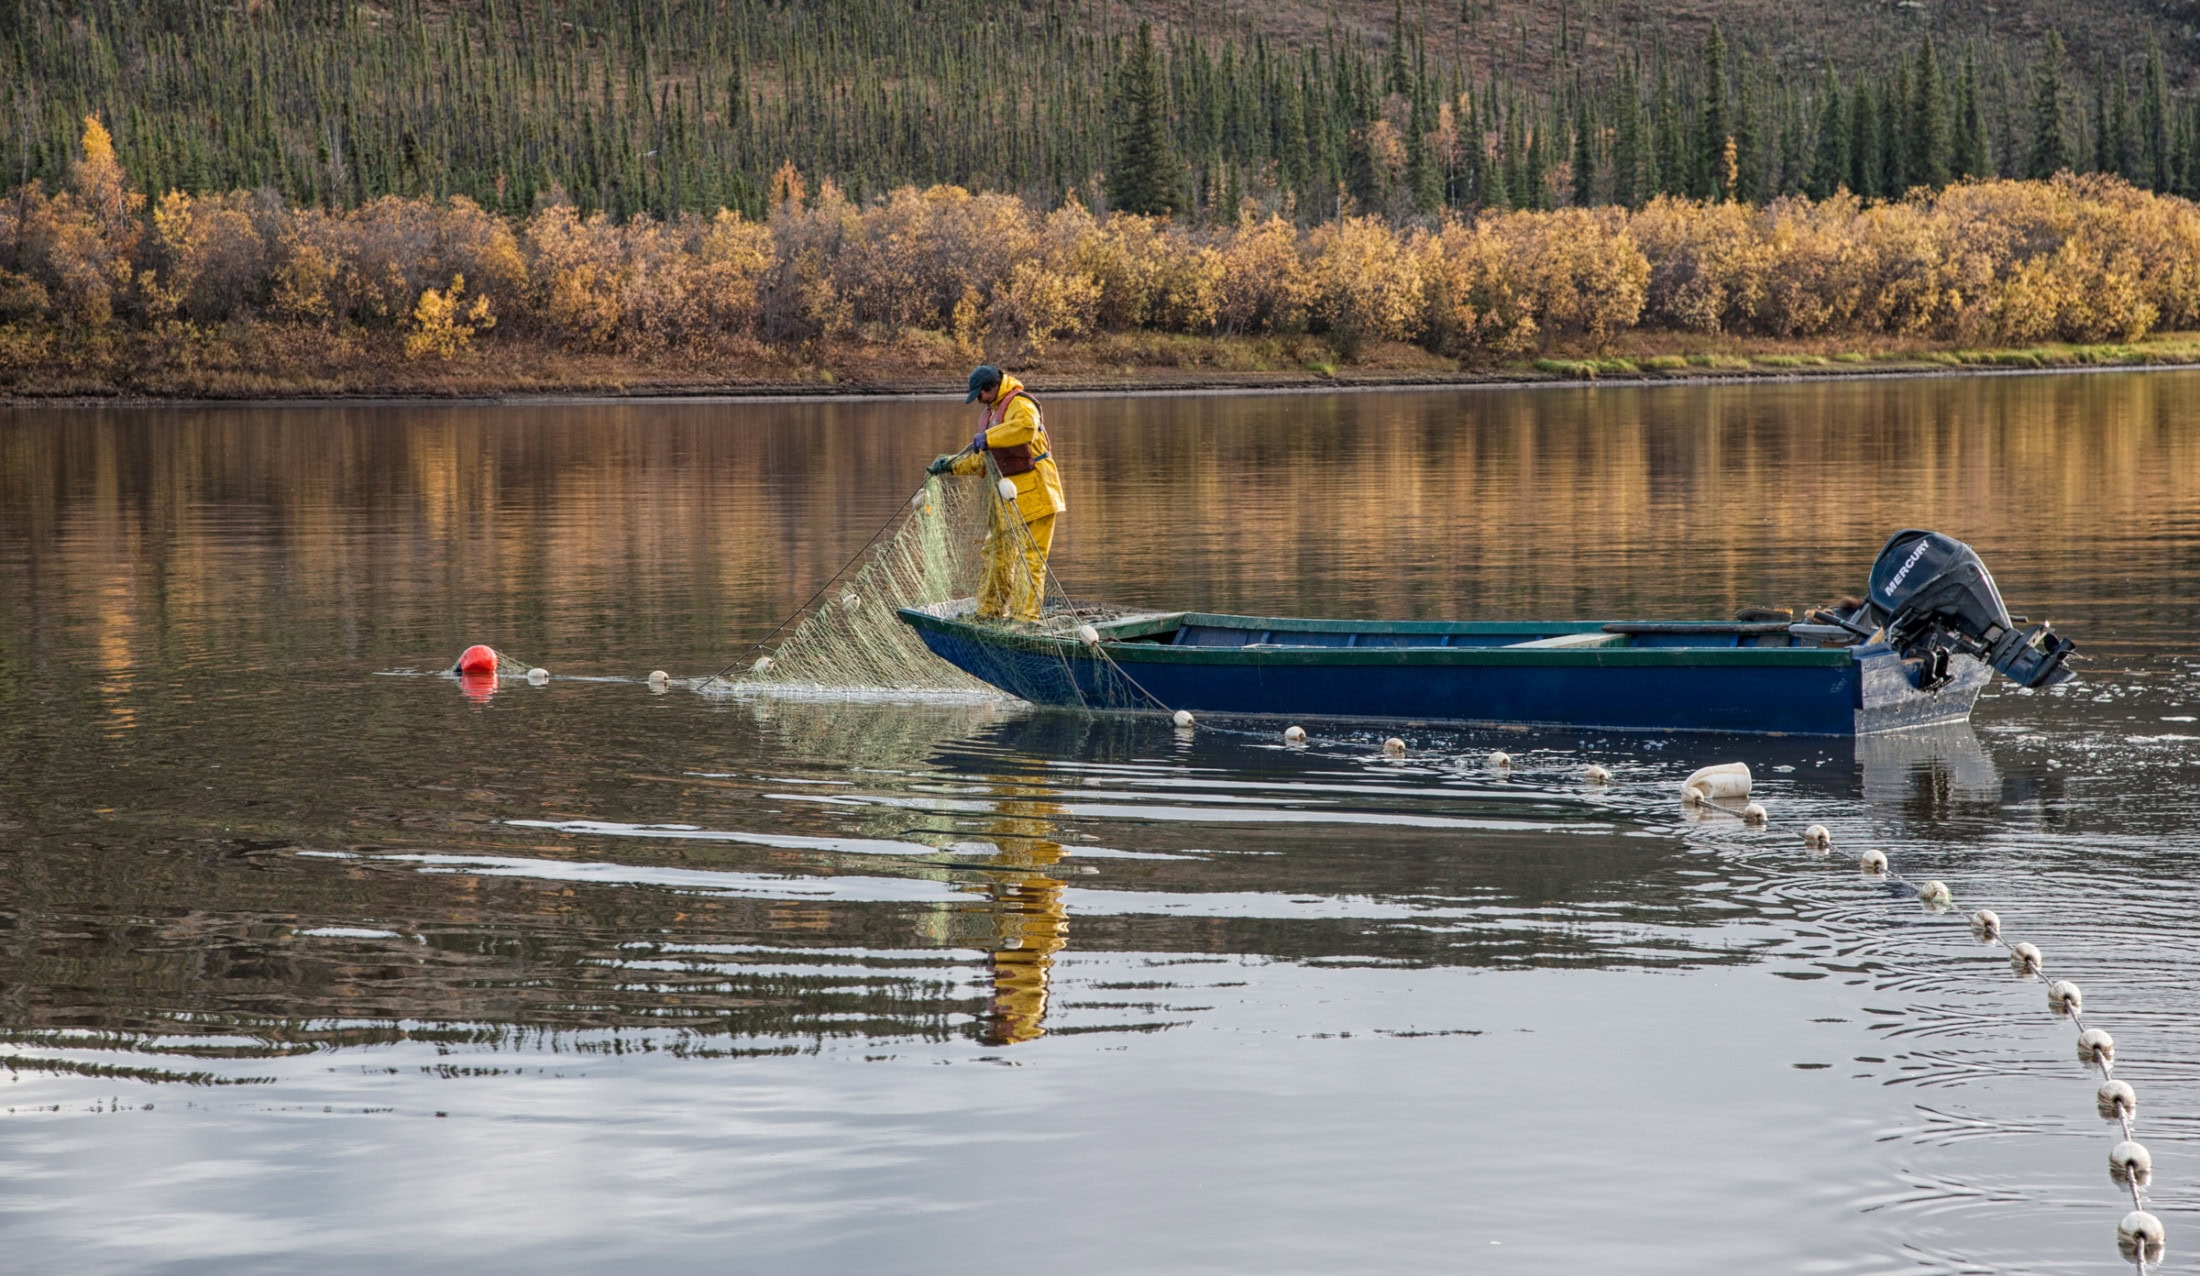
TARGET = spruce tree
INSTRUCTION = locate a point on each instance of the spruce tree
(1928, 151)
(2154, 109)
(1400, 80)
(1864, 142)
(2050, 136)
(1144, 178)
(2124, 150)
(1471, 178)
(2188, 168)
(1585, 155)
(1500, 169)
(1627, 144)
(1423, 179)
(1535, 171)
(1970, 152)
(1749, 181)
(1673, 154)
(1894, 137)
(1514, 142)
(2104, 134)
(1794, 157)
(1364, 178)
(1829, 162)
(1714, 129)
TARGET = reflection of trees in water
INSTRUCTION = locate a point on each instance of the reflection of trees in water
(691, 526)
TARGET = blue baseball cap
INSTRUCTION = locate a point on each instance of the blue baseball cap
(984, 377)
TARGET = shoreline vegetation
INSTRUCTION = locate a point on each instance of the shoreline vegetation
(105, 292)
(521, 371)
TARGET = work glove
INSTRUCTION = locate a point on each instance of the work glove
(939, 465)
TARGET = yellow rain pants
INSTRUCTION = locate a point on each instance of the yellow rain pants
(1015, 579)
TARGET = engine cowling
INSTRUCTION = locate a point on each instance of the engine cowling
(1932, 596)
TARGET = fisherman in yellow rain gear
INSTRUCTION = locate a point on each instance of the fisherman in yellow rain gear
(1018, 533)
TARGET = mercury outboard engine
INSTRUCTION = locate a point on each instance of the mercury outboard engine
(1933, 596)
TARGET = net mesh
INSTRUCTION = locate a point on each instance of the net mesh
(849, 641)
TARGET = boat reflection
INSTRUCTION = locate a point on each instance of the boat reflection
(1928, 771)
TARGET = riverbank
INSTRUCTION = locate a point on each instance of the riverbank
(266, 362)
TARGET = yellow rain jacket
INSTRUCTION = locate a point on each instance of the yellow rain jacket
(1017, 439)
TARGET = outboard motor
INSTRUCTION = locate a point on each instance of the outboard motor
(1933, 596)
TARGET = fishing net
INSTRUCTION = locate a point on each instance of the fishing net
(850, 642)
(849, 638)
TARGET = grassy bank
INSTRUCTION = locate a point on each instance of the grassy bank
(265, 361)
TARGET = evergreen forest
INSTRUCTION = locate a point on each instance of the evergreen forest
(633, 107)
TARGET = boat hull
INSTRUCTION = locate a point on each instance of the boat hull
(1459, 673)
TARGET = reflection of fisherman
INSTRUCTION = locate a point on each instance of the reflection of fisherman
(1023, 921)
(1030, 925)
(1017, 537)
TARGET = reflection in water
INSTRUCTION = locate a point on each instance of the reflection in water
(1929, 769)
(1030, 925)
(246, 837)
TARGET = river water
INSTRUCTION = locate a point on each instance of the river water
(311, 959)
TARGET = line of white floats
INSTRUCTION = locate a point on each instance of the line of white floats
(2140, 1236)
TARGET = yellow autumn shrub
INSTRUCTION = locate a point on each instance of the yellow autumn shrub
(1475, 299)
(575, 265)
(2077, 258)
(444, 325)
(1267, 288)
(210, 257)
(1365, 283)
(1040, 304)
(1709, 264)
(732, 258)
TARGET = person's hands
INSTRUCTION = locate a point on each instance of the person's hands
(939, 465)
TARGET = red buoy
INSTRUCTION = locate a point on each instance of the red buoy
(479, 658)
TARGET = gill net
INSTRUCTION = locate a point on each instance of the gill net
(849, 641)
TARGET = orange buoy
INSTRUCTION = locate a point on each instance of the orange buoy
(479, 658)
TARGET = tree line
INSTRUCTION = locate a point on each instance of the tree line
(945, 275)
(692, 105)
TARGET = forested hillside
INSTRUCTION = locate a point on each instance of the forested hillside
(1307, 109)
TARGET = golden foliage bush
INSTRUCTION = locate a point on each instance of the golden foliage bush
(79, 246)
(444, 325)
(1268, 286)
(577, 264)
(211, 262)
(1507, 281)
(1041, 303)
(1476, 303)
(1710, 264)
(1364, 281)
(2080, 259)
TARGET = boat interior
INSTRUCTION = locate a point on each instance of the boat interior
(1208, 629)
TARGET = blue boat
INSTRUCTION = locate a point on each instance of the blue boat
(1915, 653)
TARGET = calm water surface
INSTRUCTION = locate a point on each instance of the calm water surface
(307, 959)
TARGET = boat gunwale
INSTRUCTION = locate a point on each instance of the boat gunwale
(1068, 647)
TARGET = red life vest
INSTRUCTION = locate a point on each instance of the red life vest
(1023, 457)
